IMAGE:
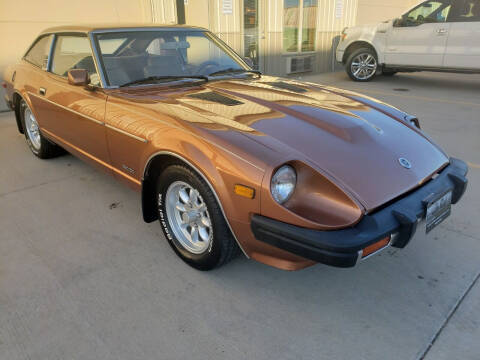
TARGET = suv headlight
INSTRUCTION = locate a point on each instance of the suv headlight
(283, 183)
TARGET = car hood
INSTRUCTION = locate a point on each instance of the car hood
(354, 140)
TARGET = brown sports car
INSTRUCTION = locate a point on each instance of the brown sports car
(291, 173)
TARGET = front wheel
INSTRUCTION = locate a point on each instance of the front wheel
(362, 64)
(192, 220)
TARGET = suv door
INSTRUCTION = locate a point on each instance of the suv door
(419, 38)
(463, 46)
(75, 116)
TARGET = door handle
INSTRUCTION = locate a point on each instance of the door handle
(441, 31)
(42, 91)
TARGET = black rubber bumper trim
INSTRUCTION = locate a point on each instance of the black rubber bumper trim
(340, 247)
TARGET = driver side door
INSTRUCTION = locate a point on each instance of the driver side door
(74, 117)
(419, 38)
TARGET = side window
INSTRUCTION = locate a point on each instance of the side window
(428, 12)
(38, 53)
(466, 11)
(73, 52)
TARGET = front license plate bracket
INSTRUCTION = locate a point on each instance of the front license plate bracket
(438, 208)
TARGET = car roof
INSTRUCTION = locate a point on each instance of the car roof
(86, 28)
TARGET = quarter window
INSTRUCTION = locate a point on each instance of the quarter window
(299, 25)
(39, 52)
(73, 52)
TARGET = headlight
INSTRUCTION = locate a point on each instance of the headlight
(283, 183)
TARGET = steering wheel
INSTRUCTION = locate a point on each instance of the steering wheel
(420, 19)
(201, 70)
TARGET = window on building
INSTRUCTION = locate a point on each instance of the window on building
(299, 25)
(38, 53)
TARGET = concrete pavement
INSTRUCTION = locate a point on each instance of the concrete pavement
(82, 277)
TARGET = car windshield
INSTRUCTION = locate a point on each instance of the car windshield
(134, 57)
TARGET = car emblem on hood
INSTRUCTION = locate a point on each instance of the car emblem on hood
(405, 163)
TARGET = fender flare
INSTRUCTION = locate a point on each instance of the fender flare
(16, 109)
(358, 43)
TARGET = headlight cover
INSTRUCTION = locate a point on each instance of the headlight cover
(283, 183)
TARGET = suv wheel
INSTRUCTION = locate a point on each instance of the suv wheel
(362, 64)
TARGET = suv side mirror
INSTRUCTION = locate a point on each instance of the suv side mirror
(398, 22)
(78, 77)
(249, 61)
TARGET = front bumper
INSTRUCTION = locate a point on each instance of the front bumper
(342, 248)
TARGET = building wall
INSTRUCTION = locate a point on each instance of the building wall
(229, 27)
(374, 11)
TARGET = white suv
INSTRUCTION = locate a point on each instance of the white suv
(439, 35)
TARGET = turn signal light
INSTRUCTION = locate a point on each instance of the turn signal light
(244, 191)
(4, 85)
(370, 249)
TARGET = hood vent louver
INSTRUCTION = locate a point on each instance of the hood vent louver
(215, 97)
(287, 86)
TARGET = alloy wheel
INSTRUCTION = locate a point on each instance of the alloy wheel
(364, 66)
(31, 126)
(188, 217)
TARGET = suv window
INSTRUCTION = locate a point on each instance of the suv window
(466, 11)
(39, 51)
(428, 12)
(73, 52)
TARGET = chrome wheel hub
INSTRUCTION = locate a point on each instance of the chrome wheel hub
(364, 66)
(31, 126)
(188, 217)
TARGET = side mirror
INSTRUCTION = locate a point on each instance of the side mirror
(249, 61)
(78, 77)
(398, 22)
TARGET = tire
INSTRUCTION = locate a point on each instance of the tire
(217, 246)
(386, 72)
(362, 64)
(38, 144)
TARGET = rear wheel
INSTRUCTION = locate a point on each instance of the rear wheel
(37, 143)
(362, 64)
(192, 220)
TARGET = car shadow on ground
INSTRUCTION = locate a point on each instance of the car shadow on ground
(427, 81)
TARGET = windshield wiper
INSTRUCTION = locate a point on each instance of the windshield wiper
(153, 79)
(235, 70)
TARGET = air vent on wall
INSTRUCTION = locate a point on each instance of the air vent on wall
(300, 64)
